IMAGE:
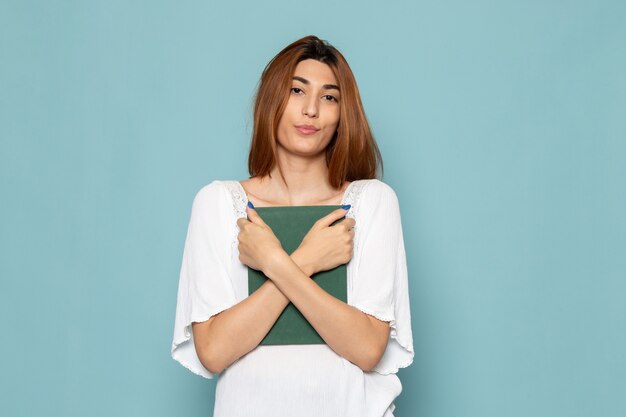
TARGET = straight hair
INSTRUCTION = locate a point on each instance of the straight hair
(352, 153)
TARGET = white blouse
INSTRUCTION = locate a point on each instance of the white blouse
(297, 380)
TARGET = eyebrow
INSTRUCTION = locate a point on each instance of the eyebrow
(326, 86)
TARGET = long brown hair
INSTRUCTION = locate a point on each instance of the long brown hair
(352, 153)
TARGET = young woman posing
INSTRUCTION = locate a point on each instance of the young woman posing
(311, 145)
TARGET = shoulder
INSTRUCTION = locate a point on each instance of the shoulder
(377, 190)
(212, 189)
(215, 188)
(378, 202)
(212, 194)
(377, 214)
(212, 214)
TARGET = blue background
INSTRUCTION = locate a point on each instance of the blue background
(503, 130)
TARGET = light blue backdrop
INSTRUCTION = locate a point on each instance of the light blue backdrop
(503, 130)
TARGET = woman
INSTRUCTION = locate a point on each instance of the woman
(311, 145)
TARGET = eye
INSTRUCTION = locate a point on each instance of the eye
(293, 89)
(331, 98)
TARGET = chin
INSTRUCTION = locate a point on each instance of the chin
(305, 150)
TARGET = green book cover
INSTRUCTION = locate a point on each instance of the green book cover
(290, 224)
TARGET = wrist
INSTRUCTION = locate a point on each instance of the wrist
(275, 261)
(300, 259)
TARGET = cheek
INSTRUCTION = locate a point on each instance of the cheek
(281, 123)
(287, 117)
(283, 129)
(334, 120)
(336, 113)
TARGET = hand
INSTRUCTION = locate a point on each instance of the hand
(324, 247)
(257, 243)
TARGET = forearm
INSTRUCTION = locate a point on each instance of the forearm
(239, 329)
(346, 329)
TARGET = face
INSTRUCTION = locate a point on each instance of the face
(312, 113)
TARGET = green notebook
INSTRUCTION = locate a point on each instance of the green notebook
(290, 224)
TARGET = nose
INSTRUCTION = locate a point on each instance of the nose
(310, 107)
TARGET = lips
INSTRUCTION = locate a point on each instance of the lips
(307, 129)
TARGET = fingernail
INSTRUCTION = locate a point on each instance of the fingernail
(346, 207)
(250, 204)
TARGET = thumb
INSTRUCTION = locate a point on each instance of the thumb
(332, 217)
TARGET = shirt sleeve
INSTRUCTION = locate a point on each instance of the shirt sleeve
(380, 284)
(205, 287)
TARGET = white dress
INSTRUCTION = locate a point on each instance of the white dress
(297, 380)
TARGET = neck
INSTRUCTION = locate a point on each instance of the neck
(304, 180)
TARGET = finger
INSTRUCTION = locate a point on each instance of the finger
(254, 217)
(348, 223)
(241, 221)
(331, 217)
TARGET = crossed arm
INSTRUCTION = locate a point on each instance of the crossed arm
(227, 336)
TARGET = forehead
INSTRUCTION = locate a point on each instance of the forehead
(315, 72)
